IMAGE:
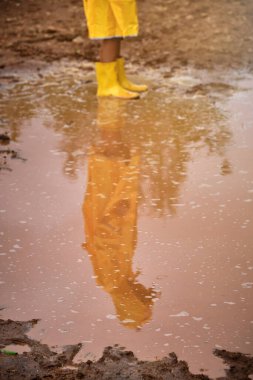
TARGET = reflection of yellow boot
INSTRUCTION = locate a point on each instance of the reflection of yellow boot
(124, 82)
(108, 84)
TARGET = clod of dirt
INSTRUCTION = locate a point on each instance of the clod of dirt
(240, 365)
(119, 364)
(4, 139)
(13, 332)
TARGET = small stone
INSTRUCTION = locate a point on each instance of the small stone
(78, 40)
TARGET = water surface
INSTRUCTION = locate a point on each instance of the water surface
(130, 222)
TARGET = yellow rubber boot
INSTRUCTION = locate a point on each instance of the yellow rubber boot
(124, 82)
(108, 84)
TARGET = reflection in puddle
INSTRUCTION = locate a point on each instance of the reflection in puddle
(110, 215)
(162, 186)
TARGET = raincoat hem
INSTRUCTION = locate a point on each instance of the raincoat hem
(111, 37)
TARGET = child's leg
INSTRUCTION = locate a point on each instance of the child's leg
(107, 71)
(110, 50)
(110, 54)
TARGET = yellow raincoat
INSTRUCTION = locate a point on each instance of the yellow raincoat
(111, 18)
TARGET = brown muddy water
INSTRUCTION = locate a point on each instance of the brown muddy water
(129, 222)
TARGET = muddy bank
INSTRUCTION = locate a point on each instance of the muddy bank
(204, 34)
(116, 363)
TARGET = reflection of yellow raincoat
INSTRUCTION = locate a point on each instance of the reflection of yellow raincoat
(111, 18)
(110, 216)
(110, 211)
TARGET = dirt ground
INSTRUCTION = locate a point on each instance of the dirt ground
(116, 363)
(204, 34)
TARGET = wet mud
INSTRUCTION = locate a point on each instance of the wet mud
(115, 363)
(204, 34)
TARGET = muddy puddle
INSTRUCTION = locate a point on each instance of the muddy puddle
(129, 222)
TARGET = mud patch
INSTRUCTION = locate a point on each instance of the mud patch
(240, 366)
(205, 35)
(116, 363)
(213, 87)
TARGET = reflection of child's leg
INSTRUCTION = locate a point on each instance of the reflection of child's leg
(110, 50)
